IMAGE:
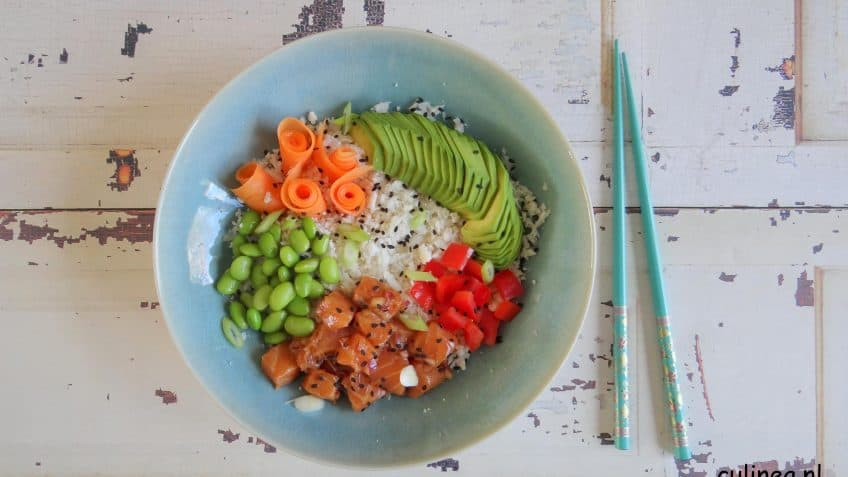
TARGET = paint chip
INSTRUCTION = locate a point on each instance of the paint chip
(727, 278)
(168, 397)
(728, 90)
(445, 464)
(804, 292)
(818, 248)
(131, 38)
(63, 56)
(320, 16)
(228, 436)
(126, 168)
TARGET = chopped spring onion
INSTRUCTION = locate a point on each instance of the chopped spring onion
(417, 220)
(309, 403)
(488, 271)
(353, 232)
(290, 223)
(232, 332)
(350, 253)
(267, 222)
(345, 119)
(418, 276)
(413, 322)
(408, 376)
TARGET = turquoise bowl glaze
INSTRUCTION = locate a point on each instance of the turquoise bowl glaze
(365, 66)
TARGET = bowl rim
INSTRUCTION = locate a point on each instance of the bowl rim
(545, 116)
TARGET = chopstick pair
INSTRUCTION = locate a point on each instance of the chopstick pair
(674, 401)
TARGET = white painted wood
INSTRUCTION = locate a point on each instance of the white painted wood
(825, 70)
(832, 328)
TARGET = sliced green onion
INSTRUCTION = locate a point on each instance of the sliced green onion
(418, 276)
(232, 332)
(353, 232)
(413, 322)
(290, 223)
(488, 271)
(350, 253)
(267, 222)
(417, 220)
(345, 119)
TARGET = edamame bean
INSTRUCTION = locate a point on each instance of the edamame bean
(237, 314)
(270, 265)
(246, 299)
(257, 278)
(316, 290)
(290, 223)
(275, 338)
(284, 273)
(276, 231)
(237, 242)
(267, 245)
(320, 245)
(298, 241)
(299, 326)
(298, 306)
(251, 250)
(302, 283)
(227, 285)
(240, 268)
(309, 227)
(273, 321)
(328, 270)
(288, 256)
(308, 265)
(274, 281)
(232, 332)
(261, 297)
(281, 296)
(254, 319)
(249, 221)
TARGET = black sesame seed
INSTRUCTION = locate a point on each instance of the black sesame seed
(313, 385)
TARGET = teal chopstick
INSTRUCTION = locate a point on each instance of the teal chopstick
(619, 274)
(672, 387)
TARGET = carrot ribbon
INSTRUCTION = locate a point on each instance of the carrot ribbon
(257, 188)
(300, 195)
(347, 197)
(296, 142)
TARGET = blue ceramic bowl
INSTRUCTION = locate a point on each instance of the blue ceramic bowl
(366, 66)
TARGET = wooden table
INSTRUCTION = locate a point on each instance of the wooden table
(750, 181)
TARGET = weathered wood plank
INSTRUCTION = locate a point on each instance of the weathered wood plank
(824, 58)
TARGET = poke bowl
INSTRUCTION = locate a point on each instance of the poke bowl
(374, 247)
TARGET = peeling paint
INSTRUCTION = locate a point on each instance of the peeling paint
(666, 212)
(737, 37)
(228, 436)
(728, 90)
(700, 360)
(672, 238)
(583, 99)
(655, 157)
(535, 418)
(734, 65)
(606, 439)
(324, 15)
(445, 464)
(607, 179)
(804, 292)
(784, 108)
(168, 397)
(268, 448)
(126, 168)
(375, 12)
(773, 204)
(786, 68)
(727, 278)
(818, 248)
(779, 279)
(63, 56)
(135, 226)
(131, 38)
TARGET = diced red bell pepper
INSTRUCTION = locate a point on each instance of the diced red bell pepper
(506, 310)
(456, 256)
(435, 268)
(424, 293)
(447, 285)
(463, 301)
(473, 336)
(453, 320)
(508, 285)
(482, 293)
(474, 268)
(489, 325)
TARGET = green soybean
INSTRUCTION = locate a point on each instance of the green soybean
(299, 326)
(270, 265)
(261, 297)
(227, 285)
(237, 314)
(290, 223)
(273, 321)
(251, 250)
(246, 299)
(232, 333)
(328, 270)
(315, 289)
(254, 319)
(284, 273)
(320, 245)
(308, 265)
(257, 278)
(249, 221)
(267, 245)
(298, 306)
(237, 242)
(298, 241)
(281, 296)
(275, 338)
(276, 231)
(274, 281)
(309, 227)
(302, 283)
(267, 222)
(288, 256)
(240, 268)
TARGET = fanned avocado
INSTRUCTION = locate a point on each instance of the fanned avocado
(456, 170)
